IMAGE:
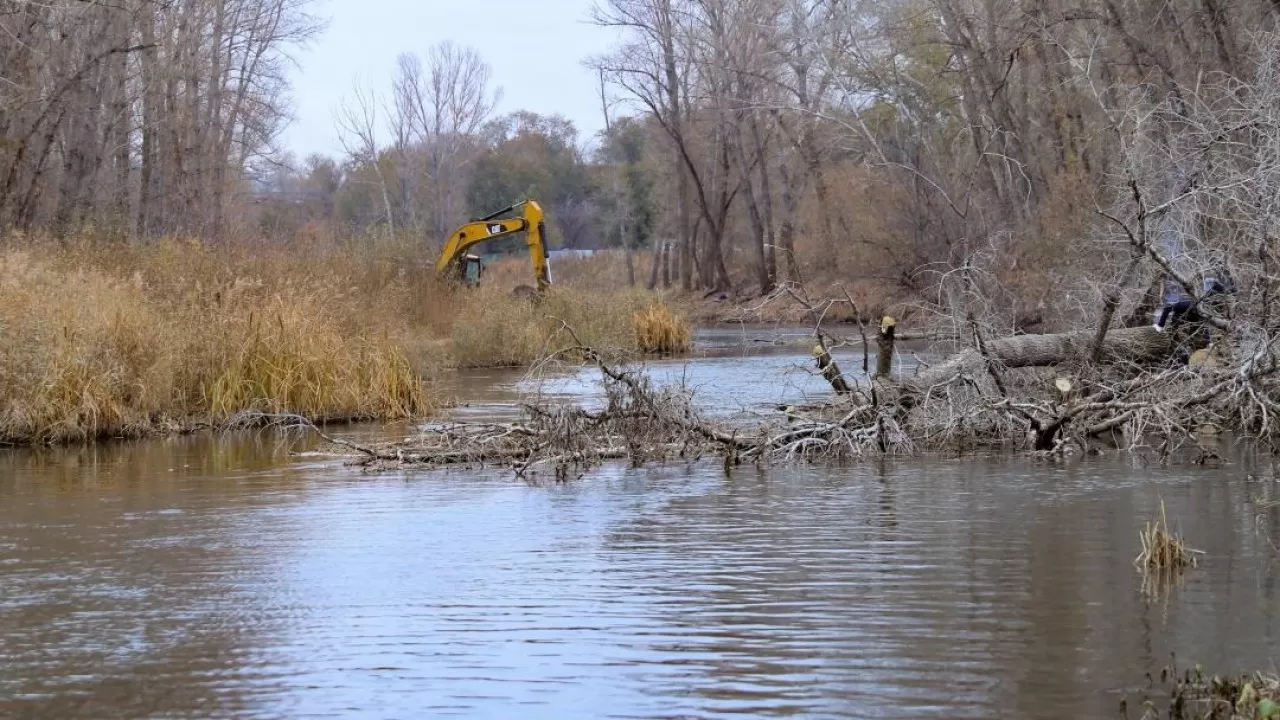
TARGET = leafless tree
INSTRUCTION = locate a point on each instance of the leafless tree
(358, 126)
(440, 106)
(654, 67)
(139, 115)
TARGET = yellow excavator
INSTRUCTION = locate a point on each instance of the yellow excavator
(455, 259)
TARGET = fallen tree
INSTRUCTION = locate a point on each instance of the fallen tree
(963, 402)
(958, 403)
(1129, 345)
(1093, 383)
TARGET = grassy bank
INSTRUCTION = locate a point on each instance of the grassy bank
(118, 339)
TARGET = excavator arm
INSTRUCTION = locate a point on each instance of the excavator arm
(493, 226)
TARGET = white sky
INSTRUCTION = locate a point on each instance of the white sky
(535, 47)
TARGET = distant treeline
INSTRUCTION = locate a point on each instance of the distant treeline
(747, 142)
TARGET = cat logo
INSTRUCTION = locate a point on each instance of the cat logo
(495, 228)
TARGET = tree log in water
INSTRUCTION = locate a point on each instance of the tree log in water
(1130, 345)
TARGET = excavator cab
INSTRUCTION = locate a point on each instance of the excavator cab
(455, 259)
(472, 268)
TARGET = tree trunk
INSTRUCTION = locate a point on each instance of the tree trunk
(150, 121)
(666, 265)
(714, 273)
(766, 204)
(754, 199)
(121, 133)
(813, 165)
(1112, 301)
(386, 197)
(658, 250)
(787, 229)
(884, 359)
(1136, 345)
(830, 370)
(758, 241)
(676, 131)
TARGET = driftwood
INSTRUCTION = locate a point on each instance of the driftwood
(638, 423)
(1132, 381)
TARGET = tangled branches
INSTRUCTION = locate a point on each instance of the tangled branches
(999, 395)
(637, 422)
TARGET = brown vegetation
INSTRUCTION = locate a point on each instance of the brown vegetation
(119, 340)
(102, 339)
(661, 331)
(1163, 558)
(496, 327)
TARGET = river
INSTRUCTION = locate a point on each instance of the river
(231, 577)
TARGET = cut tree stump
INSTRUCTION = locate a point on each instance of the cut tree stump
(884, 360)
(830, 370)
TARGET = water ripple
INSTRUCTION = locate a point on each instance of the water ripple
(917, 589)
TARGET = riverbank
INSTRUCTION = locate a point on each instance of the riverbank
(116, 339)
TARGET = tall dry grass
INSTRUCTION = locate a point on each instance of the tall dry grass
(494, 328)
(101, 339)
(1162, 550)
(115, 340)
(660, 330)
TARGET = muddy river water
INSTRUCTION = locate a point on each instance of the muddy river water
(234, 578)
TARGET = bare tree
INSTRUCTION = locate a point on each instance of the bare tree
(357, 121)
(440, 107)
(139, 115)
(740, 69)
(653, 67)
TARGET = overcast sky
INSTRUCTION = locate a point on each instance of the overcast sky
(535, 47)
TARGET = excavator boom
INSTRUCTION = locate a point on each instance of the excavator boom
(493, 226)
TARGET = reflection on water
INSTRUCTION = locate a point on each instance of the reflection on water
(194, 578)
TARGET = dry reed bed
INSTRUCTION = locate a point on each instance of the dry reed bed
(106, 339)
(88, 351)
(658, 330)
(492, 328)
